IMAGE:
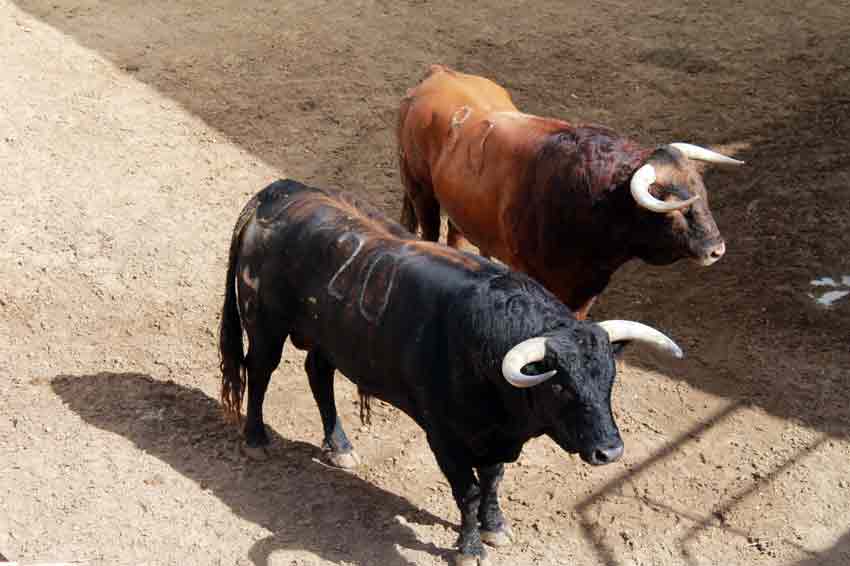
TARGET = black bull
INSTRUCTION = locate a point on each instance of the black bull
(419, 325)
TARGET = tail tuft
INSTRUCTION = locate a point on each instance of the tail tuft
(231, 350)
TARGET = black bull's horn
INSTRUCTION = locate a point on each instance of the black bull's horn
(534, 350)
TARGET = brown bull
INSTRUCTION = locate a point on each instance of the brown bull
(566, 204)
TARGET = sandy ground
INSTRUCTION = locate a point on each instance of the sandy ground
(131, 133)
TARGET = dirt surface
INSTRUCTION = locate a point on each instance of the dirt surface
(131, 133)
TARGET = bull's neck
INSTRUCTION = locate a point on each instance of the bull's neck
(582, 254)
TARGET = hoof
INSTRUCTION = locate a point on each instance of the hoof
(502, 537)
(462, 559)
(345, 460)
(256, 453)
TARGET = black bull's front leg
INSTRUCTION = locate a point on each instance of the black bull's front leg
(481, 518)
(494, 528)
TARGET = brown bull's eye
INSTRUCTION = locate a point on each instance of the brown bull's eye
(557, 389)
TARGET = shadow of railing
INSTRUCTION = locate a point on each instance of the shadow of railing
(738, 498)
(605, 551)
(288, 495)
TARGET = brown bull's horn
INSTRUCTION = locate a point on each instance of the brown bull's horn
(626, 330)
(702, 154)
(526, 352)
(641, 181)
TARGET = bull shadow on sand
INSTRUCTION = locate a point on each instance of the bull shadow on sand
(184, 427)
(837, 555)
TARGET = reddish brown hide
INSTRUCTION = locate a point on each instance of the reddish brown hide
(544, 196)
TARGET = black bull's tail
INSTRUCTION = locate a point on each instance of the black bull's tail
(230, 331)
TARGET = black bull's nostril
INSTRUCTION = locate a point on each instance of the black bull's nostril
(607, 455)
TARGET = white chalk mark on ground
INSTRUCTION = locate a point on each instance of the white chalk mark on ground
(838, 290)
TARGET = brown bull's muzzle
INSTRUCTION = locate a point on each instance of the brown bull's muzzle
(711, 254)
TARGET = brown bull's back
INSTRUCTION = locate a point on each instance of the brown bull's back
(429, 108)
(463, 142)
(523, 188)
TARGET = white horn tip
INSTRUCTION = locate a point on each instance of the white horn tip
(703, 154)
(626, 330)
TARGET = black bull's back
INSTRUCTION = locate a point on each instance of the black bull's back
(373, 298)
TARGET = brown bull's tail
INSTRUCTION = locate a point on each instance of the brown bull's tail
(408, 213)
(230, 332)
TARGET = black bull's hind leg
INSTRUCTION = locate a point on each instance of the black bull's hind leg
(338, 449)
(264, 352)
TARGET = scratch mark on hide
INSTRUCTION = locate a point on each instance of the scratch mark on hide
(252, 282)
(380, 305)
(460, 116)
(247, 304)
(337, 294)
(278, 212)
(476, 159)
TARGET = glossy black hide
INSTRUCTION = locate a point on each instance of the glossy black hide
(419, 325)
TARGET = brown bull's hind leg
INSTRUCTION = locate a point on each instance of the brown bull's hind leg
(420, 209)
(428, 212)
(336, 445)
(408, 215)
